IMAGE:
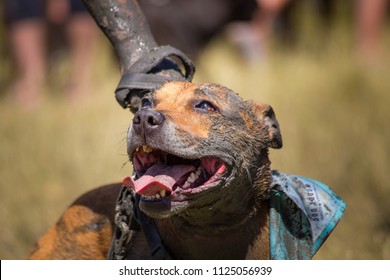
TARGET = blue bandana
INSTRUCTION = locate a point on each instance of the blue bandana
(303, 214)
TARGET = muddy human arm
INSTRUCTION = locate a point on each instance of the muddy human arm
(144, 64)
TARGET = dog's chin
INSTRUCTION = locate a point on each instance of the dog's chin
(183, 203)
(162, 209)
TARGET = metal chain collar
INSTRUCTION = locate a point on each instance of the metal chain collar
(125, 223)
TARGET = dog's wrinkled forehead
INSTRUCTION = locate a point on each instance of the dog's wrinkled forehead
(175, 93)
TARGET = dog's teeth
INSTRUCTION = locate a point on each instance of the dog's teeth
(186, 185)
(147, 149)
(191, 178)
(157, 196)
(163, 193)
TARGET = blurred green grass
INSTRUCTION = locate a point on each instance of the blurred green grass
(333, 112)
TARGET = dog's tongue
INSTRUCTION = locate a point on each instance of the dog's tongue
(158, 177)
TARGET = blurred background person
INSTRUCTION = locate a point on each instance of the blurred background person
(274, 19)
(27, 24)
(268, 18)
(80, 35)
(370, 22)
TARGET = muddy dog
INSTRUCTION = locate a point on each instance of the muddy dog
(200, 157)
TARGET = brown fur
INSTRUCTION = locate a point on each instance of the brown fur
(180, 106)
(85, 229)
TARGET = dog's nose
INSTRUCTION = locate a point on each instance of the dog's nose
(147, 120)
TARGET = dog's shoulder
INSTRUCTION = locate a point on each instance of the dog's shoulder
(100, 200)
(84, 231)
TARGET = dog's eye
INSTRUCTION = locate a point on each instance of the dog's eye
(206, 106)
(146, 103)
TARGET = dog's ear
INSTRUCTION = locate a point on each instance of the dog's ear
(266, 116)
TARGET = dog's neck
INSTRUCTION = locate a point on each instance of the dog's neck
(239, 243)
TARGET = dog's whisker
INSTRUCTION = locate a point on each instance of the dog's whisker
(124, 164)
(249, 176)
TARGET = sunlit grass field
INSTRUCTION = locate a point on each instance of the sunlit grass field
(333, 111)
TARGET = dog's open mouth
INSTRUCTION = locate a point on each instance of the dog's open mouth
(160, 175)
